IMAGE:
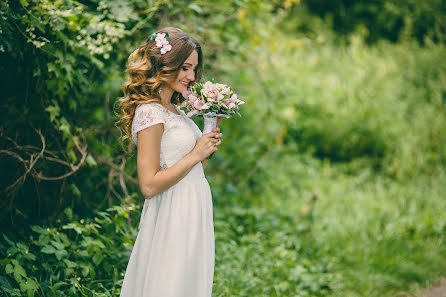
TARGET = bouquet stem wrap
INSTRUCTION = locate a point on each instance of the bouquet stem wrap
(210, 122)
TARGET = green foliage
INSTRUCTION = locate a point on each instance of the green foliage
(266, 253)
(343, 104)
(51, 54)
(392, 20)
(76, 258)
(330, 184)
(62, 66)
(357, 126)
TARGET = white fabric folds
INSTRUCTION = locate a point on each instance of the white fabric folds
(174, 251)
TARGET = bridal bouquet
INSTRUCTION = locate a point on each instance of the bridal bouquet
(211, 100)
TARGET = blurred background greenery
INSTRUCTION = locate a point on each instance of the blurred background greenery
(332, 183)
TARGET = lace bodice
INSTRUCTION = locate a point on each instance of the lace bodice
(179, 136)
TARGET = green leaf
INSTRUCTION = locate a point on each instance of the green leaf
(57, 286)
(19, 272)
(83, 253)
(38, 24)
(30, 256)
(54, 111)
(90, 160)
(44, 239)
(5, 285)
(24, 3)
(22, 246)
(39, 229)
(60, 254)
(65, 127)
(48, 249)
(75, 191)
(196, 8)
(70, 264)
(53, 68)
(17, 277)
(30, 286)
(85, 270)
(73, 104)
(9, 269)
(97, 258)
(73, 226)
(11, 251)
(72, 156)
(57, 245)
(8, 240)
(69, 213)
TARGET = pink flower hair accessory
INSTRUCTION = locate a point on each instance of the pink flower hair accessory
(162, 41)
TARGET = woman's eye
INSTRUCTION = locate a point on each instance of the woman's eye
(186, 69)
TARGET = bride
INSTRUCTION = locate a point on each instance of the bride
(174, 251)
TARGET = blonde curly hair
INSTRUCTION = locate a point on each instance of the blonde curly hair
(149, 71)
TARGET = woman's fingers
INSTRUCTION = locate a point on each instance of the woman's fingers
(214, 135)
(214, 139)
(211, 134)
(213, 142)
(218, 136)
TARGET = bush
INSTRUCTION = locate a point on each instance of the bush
(84, 257)
(394, 21)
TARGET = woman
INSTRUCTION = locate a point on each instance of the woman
(173, 255)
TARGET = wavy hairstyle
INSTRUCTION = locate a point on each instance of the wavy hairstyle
(149, 71)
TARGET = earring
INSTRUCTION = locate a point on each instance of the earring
(159, 91)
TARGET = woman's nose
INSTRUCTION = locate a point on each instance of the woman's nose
(191, 75)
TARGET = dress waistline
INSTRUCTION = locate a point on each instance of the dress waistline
(194, 174)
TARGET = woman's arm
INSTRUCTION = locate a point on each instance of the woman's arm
(151, 180)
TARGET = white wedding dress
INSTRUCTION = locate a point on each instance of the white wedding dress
(174, 251)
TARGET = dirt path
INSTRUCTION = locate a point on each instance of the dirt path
(435, 290)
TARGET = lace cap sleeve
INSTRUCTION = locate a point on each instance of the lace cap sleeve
(147, 115)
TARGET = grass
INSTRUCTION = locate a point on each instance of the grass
(366, 235)
(360, 128)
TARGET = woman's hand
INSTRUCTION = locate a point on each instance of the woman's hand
(207, 144)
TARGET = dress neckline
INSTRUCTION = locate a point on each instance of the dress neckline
(177, 114)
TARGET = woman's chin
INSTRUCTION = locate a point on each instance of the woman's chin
(181, 88)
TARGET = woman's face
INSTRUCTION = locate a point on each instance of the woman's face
(186, 73)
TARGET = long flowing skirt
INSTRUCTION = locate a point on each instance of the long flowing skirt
(174, 251)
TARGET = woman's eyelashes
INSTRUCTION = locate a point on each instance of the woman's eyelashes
(186, 69)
